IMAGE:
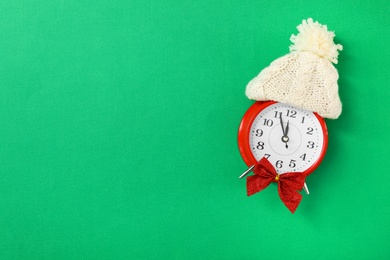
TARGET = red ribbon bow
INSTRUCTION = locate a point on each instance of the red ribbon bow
(288, 183)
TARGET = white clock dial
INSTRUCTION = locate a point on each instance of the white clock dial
(290, 138)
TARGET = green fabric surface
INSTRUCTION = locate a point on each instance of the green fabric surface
(118, 132)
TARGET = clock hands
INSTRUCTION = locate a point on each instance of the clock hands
(281, 122)
(285, 134)
(285, 131)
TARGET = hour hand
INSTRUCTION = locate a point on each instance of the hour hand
(286, 128)
(285, 136)
(285, 131)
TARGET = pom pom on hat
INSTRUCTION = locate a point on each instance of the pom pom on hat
(304, 78)
(315, 38)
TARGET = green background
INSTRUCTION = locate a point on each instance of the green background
(119, 121)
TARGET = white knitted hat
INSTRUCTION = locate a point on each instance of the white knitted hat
(304, 78)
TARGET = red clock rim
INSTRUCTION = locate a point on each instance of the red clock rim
(244, 130)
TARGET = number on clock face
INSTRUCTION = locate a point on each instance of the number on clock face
(290, 138)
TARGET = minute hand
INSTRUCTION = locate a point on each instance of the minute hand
(281, 123)
(285, 134)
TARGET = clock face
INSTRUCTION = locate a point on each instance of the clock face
(290, 138)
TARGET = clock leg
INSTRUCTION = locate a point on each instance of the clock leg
(306, 189)
(247, 171)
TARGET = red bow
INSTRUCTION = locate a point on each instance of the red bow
(288, 183)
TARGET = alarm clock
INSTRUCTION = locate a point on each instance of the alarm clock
(292, 139)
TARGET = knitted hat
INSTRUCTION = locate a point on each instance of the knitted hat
(304, 78)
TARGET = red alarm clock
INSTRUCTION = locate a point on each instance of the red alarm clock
(290, 138)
